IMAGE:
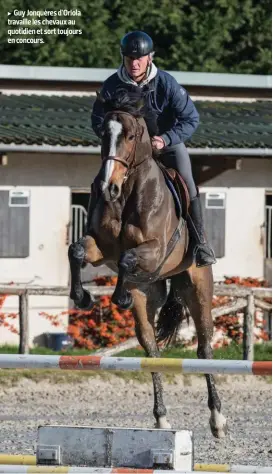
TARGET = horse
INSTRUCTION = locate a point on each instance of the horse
(133, 227)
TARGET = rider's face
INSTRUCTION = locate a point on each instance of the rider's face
(136, 67)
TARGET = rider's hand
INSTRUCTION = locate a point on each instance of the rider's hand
(158, 143)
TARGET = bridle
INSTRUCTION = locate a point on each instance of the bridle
(127, 161)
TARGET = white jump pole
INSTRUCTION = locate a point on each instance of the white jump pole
(187, 366)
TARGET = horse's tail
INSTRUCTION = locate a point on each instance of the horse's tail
(171, 315)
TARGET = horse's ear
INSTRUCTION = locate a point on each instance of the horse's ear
(100, 97)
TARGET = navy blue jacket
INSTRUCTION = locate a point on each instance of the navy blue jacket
(177, 117)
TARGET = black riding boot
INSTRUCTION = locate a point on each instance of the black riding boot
(203, 254)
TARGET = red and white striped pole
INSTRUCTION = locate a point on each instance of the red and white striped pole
(187, 366)
(15, 469)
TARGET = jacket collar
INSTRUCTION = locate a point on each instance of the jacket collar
(124, 76)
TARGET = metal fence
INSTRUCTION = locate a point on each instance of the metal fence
(78, 221)
(268, 228)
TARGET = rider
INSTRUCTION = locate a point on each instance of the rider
(177, 119)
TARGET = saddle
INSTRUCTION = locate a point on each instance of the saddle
(178, 188)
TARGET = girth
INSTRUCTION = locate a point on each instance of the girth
(144, 277)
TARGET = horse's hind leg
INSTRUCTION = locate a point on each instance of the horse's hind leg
(145, 305)
(196, 288)
(80, 252)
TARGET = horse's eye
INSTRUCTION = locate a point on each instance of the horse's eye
(131, 137)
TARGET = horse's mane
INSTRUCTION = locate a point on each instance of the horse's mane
(132, 100)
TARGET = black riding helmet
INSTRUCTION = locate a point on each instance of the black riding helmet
(136, 44)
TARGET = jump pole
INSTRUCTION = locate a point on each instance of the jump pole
(187, 366)
(18, 459)
(30, 460)
(10, 469)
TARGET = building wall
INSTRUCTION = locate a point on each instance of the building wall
(254, 172)
(43, 169)
(245, 217)
(244, 247)
(49, 178)
(38, 323)
(47, 263)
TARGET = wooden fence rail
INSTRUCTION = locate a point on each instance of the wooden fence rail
(219, 290)
(247, 300)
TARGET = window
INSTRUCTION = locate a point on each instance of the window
(268, 225)
(214, 214)
(14, 224)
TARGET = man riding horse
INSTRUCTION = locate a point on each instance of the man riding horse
(135, 226)
(177, 119)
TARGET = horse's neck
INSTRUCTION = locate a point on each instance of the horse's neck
(145, 137)
(144, 148)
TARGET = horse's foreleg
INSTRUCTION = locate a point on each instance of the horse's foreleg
(145, 257)
(197, 291)
(144, 314)
(127, 263)
(83, 251)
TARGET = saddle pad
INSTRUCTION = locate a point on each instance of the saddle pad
(178, 207)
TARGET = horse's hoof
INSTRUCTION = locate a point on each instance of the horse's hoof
(124, 302)
(218, 424)
(162, 423)
(86, 302)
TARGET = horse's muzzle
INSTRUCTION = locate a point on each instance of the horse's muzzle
(114, 191)
(110, 191)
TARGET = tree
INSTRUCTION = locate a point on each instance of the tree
(231, 36)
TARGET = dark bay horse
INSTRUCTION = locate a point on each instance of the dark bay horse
(133, 228)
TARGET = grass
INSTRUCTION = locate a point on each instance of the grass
(233, 351)
(12, 376)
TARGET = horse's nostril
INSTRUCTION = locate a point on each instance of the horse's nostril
(114, 190)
